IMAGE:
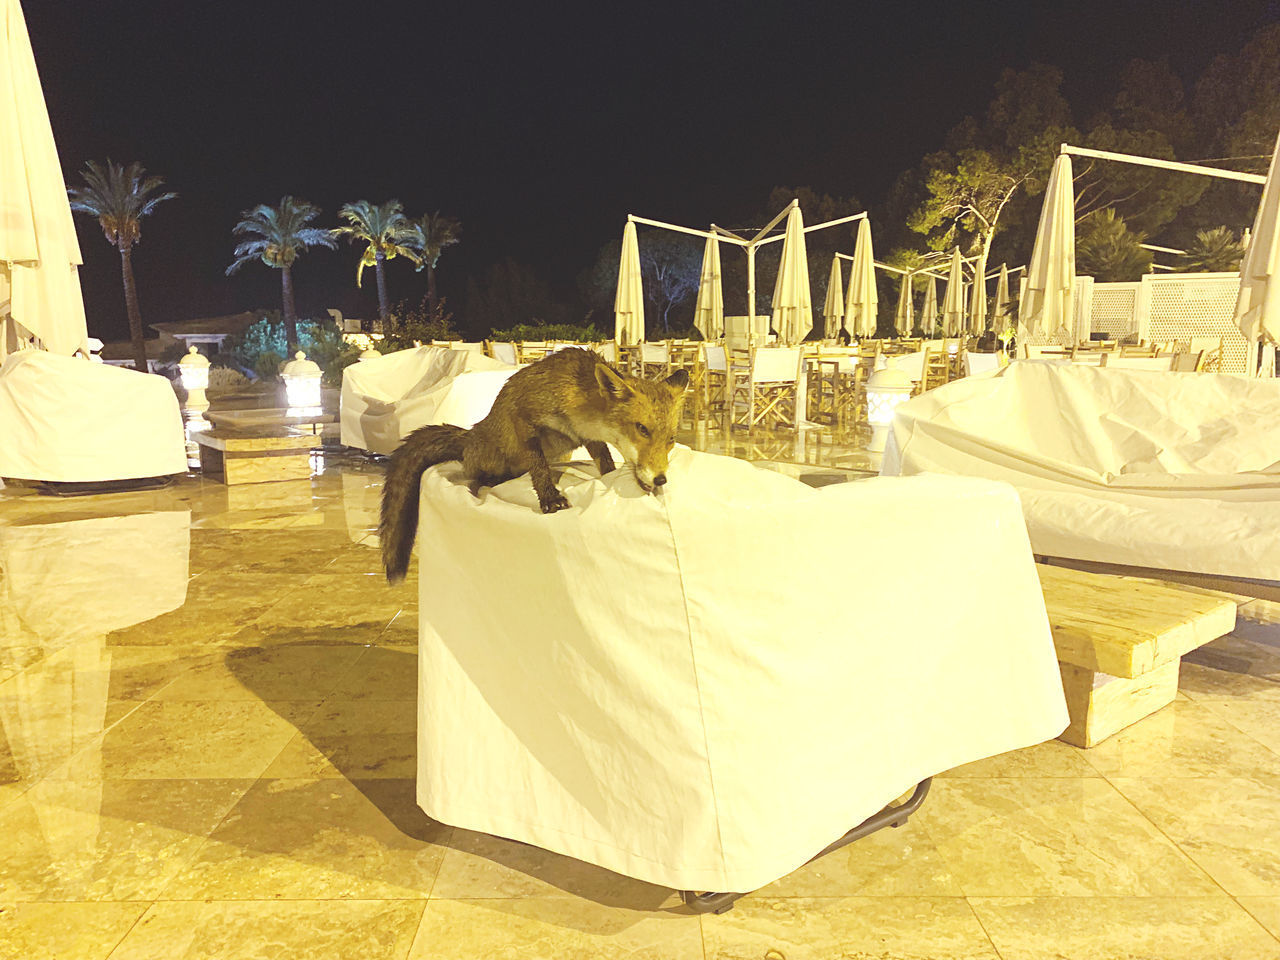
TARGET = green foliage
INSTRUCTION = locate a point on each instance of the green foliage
(384, 230)
(438, 231)
(1108, 251)
(261, 347)
(407, 323)
(550, 331)
(512, 293)
(119, 197)
(278, 235)
(1215, 250)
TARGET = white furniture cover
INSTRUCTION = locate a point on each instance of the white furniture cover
(1179, 471)
(705, 688)
(66, 419)
(384, 399)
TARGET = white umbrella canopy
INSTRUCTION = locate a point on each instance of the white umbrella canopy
(833, 308)
(628, 304)
(860, 306)
(1048, 307)
(1001, 311)
(929, 311)
(978, 298)
(792, 299)
(1258, 303)
(904, 317)
(953, 299)
(708, 311)
(39, 254)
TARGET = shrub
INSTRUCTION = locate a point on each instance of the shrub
(262, 347)
(549, 331)
(225, 378)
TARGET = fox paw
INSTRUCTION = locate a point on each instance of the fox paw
(554, 503)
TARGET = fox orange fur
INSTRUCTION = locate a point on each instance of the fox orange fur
(566, 400)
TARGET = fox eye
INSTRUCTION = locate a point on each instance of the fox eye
(642, 430)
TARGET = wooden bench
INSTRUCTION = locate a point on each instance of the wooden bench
(1119, 642)
(254, 456)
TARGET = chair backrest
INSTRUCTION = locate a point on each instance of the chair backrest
(476, 347)
(1201, 344)
(716, 357)
(1188, 362)
(655, 352)
(935, 368)
(608, 351)
(500, 350)
(1141, 363)
(775, 365)
(980, 363)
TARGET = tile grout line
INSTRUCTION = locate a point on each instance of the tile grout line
(133, 926)
(983, 927)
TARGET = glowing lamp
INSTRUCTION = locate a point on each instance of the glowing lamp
(194, 370)
(301, 384)
(886, 388)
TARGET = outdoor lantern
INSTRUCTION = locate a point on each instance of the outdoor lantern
(194, 369)
(301, 385)
(886, 389)
(370, 352)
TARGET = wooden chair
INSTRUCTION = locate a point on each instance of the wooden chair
(652, 361)
(769, 393)
(1210, 350)
(713, 393)
(936, 368)
(527, 351)
(608, 351)
(502, 350)
(1140, 350)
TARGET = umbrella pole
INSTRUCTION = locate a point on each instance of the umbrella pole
(751, 290)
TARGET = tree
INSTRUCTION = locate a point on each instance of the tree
(1216, 250)
(278, 235)
(1108, 251)
(670, 267)
(120, 197)
(438, 231)
(511, 294)
(387, 233)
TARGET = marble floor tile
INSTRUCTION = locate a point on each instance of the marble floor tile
(478, 866)
(65, 931)
(552, 929)
(338, 599)
(1252, 648)
(902, 928)
(1199, 682)
(403, 630)
(318, 839)
(1229, 826)
(265, 551)
(1053, 758)
(1103, 928)
(1266, 910)
(107, 840)
(274, 930)
(1053, 837)
(382, 673)
(283, 671)
(355, 739)
(1259, 719)
(1184, 739)
(168, 739)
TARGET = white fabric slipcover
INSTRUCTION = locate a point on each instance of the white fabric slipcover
(1179, 471)
(384, 399)
(66, 419)
(705, 688)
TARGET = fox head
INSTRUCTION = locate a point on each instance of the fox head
(640, 419)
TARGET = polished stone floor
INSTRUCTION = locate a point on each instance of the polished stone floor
(207, 751)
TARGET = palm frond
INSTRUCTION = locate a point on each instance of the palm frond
(282, 232)
(119, 197)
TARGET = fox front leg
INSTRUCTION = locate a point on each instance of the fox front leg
(549, 497)
(599, 451)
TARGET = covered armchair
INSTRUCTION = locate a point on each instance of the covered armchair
(668, 686)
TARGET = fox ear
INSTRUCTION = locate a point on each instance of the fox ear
(611, 382)
(679, 381)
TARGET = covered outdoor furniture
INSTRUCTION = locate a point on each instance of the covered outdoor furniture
(384, 399)
(668, 687)
(67, 420)
(1175, 471)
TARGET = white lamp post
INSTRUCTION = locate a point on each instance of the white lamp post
(194, 370)
(301, 385)
(886, 389)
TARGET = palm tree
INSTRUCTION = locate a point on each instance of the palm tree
(1216, 250)
(120, 197)
(278, 236)
(388, 233)
(1108, 250)
(438, 231)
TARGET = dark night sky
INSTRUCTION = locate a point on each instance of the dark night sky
(540, 125)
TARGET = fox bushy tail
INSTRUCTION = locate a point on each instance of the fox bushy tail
(423, 448)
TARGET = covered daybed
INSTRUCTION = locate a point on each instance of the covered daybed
(668, 687)
(1174, 471)
(67, 420)
(384, 399)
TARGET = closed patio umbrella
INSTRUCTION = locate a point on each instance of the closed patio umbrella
(1258, 303)
(903, 318)
(860, 306)
(39, 254)
(792, 299)
(1048, 307)
(929, 311)
(978, 298)
(628, 305)
(1002, 300)
(833, 307)
(708, 311)
(953, 299)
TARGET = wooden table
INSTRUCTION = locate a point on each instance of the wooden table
(267, 417)
(1119, 642)
(255, 455)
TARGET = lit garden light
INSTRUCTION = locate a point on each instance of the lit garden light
(194, 370)
(301, 385)
(886, 388)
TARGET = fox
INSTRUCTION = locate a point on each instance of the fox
(568, 399)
